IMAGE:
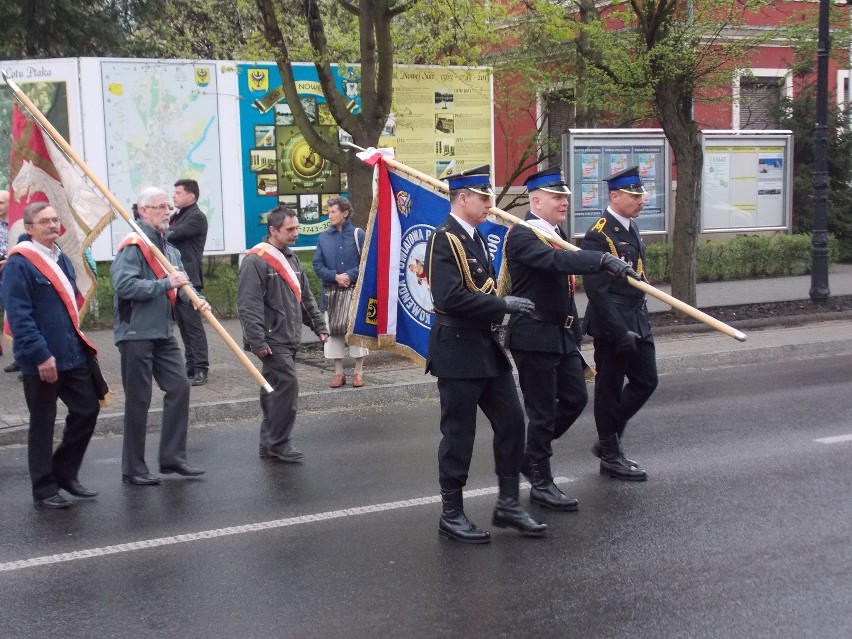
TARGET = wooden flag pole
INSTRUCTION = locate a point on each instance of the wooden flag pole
(196, 300)
(555, 239)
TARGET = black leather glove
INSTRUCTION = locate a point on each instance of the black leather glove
(629, 344)
(617, 267)
(519, 305)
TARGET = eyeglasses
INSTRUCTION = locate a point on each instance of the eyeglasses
(47, 221)
(158, 207)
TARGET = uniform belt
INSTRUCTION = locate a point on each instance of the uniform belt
(462, 322)
(565, 321)
(623, 300)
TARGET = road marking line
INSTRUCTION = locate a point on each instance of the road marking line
(834, 440)
(245, 528)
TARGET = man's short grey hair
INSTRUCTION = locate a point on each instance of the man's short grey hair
(31, 210)
(150, 194)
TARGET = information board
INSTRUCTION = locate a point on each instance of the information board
(440, 123)
(746, 181)
(593, 155)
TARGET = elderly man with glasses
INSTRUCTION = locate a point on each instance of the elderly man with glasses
(145, 297)
(57, 361)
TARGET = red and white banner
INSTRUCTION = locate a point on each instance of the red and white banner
(40, 172)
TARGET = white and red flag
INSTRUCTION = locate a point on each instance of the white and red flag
(40, 172)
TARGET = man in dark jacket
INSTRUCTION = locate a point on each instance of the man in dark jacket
(145, 297)
(57, 361)
(545, 345)
(188, 233)
(617, 319)
(471, 366)
(273, 301)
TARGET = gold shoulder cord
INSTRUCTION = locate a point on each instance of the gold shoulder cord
(461, 261)
(599, 227)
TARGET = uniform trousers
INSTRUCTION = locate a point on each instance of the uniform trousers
(192, 333)
(615, 401)
(142, 361)
(554, 389)
(48, 469)
(279, 406)
(498, 399)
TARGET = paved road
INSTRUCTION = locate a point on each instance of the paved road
(742, 531)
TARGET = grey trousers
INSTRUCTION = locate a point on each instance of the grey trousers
(142, 360)
(279, 406)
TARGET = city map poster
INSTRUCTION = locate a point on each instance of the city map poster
(162, 124)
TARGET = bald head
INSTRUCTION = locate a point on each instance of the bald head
(4, 204)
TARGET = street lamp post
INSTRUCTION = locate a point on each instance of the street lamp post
(819, 240)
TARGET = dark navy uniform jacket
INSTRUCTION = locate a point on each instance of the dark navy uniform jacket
(615, 306)
(461, 342)
(540, 272)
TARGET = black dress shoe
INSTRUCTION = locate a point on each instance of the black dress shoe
(54, 502)
(141, 480)
(14, 367)
(77, 489)
(199, 379)
(509, 514)
(181, 469)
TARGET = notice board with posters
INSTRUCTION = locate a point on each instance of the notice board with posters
(593, 155)
(746, 181)
(440, 122)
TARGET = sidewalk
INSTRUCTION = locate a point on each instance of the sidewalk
(232, 394)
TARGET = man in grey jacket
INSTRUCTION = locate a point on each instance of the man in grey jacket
(145, 296)
(273, 301)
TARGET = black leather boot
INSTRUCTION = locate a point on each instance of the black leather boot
(544, 492)
(596, 451)
(454, 523)
(615, 464)
(508, 512)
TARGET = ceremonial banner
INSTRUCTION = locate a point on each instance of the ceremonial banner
(393, 303)
(40, 172)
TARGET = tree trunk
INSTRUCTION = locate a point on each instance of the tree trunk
(675, 113)
(360, 177)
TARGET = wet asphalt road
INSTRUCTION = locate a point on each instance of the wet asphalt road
(742, 531)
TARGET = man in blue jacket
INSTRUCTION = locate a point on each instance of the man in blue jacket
(57, 362)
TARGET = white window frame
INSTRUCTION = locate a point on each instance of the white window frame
(757, 73)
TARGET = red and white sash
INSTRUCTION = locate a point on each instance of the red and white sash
(153, 263)
(548, 228)
(56, 276)
(275, 258)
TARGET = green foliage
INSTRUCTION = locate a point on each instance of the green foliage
(743, 257)
(65, 28)
(798, 116)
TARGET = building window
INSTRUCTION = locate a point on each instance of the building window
(559, 113)
(759, 101)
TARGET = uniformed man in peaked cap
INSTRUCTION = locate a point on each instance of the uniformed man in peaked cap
(545, 344)
(617, 319)
(471, 366)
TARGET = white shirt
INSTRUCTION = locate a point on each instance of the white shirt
(625, 221)
(53, 253)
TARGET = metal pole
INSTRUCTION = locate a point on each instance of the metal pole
(819, 240)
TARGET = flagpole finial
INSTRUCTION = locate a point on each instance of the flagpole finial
(11, 84)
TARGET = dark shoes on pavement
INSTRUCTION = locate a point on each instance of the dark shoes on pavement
(54, 502)
(181, 469)
(77, 489)
(544, 492)
(199, 378)
(508, 512)
(615, 464)
(454, 524)
(146, 479)
(289, 456)
(14, 367)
